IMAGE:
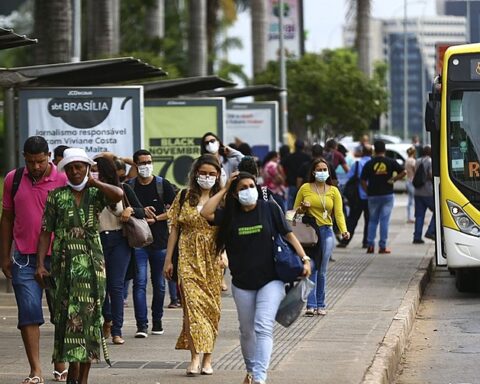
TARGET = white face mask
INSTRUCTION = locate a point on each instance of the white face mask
(78, 187)
(206, 182)
(145, 170)
(321, 176)
(213, 147)
(248, 196)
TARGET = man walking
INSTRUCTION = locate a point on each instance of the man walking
(361, 205)
(24, 196)
(155, 193)
(377, 180)
(424, 198)
(292, 165)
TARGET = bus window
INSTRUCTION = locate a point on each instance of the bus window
(464, 138)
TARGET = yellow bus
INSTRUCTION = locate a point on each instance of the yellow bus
(453, 118)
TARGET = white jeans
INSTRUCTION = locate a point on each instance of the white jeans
(256, 315)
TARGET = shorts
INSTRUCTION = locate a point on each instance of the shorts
(28, 292)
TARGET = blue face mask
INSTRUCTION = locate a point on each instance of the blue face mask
(248, 196)
(321, 176)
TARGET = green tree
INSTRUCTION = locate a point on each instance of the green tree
(327, 92)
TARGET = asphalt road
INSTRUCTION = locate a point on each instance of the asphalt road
(444, 345)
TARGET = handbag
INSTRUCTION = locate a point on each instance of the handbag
(137, 231)
(288, 264)
(293, 303)
(304, 232)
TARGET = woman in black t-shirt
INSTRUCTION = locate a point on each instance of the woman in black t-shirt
(245, 231)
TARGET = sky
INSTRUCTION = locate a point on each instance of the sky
(323, 20)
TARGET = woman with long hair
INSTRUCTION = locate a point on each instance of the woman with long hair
(274, 177)
(78, 266)
(199, 264)
(246, 226)
(320, 199)
(115, 247)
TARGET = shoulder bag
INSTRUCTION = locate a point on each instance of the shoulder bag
(351, 188)
(288, 265)
(137, 231)
(293, 303)
(304, 232)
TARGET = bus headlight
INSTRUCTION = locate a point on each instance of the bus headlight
(463, 221)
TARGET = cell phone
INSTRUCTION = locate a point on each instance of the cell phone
(49, 282)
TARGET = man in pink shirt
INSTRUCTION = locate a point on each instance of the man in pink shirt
(21, 222)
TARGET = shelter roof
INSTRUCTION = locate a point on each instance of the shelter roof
(183, 86)
(83, 73)
(9, 39)
(252, 90)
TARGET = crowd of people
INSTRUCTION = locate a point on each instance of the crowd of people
(65, 218)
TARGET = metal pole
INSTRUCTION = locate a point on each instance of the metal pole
(283, 82)
(9, 119)
(405, 72)
(77, 31)
(468, 16)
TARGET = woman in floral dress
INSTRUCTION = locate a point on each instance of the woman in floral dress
(78, 266)
(199, 264)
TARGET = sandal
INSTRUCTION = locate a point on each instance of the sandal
(60, 376)
(33, 380)
(310, 312)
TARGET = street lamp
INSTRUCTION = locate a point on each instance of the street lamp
(283, 81)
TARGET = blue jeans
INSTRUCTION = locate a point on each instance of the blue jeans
(117, 255)
(411, 198)
(316, 298)
(422, 203)
(172, 290)
(380, 208)
(256, 315)
(28, 292)
(156, 258)
(292, 194)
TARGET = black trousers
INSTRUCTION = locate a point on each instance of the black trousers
(354, 215)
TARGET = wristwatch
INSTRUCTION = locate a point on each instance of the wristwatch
(305, 259)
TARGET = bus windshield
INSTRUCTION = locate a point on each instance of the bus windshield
(464, 138)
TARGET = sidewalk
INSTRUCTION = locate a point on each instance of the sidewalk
(371, 300)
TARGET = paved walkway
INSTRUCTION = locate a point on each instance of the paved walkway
(371, 299)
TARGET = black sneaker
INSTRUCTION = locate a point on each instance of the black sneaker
(157, 328)
(430, 236)
(142, 332)
(418, 241)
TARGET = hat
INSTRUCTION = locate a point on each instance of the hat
(74, 154)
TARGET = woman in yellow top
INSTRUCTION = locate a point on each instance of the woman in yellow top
(319, 198)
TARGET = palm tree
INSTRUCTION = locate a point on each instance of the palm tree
(258, 10)
(100, 28)
(197, 38)
(155, 19)
(361, 10)
(53, 28)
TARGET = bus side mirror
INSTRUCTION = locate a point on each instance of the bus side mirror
(430, 120)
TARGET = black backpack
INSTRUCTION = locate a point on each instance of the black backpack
(350, 190)
(420, 177)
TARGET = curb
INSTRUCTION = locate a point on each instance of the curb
(389, 353)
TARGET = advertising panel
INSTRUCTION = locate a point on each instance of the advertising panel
(253, 123)
(292, 29)
(173, 129)
(97, 119)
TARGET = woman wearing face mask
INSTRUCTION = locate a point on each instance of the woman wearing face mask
(245, 230)
(227, 156)
(320, 199)
(78, 266)
(199, 265)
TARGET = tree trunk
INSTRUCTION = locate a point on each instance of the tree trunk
(363, 35)
(116, 27)
(100, 29)
(197, 38)
(259, 35)
(155, 20)
(53, 28)
(213, 7)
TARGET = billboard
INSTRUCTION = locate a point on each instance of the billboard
(253, 123)
(97, 119)
(292, 29)
(173, 129)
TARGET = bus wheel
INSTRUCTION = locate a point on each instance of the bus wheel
(465, 280)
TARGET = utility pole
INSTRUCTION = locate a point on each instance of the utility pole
(283, 81)
(77, 31)
(405, 72)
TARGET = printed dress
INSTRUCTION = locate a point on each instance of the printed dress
(78, 268)
(199, 277)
